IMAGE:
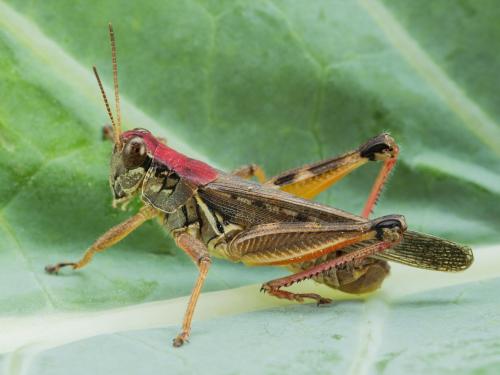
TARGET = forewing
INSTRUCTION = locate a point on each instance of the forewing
(429, 252)
(247, 203)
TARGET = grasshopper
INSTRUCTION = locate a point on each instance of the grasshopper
(211, 213)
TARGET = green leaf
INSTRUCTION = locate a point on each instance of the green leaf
(353, 337)
(273, 82)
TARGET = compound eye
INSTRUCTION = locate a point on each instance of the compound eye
(134, 153)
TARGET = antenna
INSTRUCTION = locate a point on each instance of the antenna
(103, 93)
(117, 128)
(118, 125)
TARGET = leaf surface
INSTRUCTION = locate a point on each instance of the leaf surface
(273, 82)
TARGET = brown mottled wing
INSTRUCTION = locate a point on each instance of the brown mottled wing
(247, 203)
(429, 252)
(282, 243)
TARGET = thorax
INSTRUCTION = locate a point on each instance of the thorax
(204, 223)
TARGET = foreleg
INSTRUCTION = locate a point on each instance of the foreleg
(108, 239)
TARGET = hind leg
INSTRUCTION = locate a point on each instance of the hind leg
(311, 179)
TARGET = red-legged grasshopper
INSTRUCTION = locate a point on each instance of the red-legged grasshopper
(212, 213)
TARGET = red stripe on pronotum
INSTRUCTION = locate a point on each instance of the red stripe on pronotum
(195, 171)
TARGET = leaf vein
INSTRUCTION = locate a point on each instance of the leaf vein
(30, 177)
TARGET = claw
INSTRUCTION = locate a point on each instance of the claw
(179, 340)
(54, 269)
(323, 301)
(50, 269)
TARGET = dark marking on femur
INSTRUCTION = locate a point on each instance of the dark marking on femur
(284, 179)
(376, 145)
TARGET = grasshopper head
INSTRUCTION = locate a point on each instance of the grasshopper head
(129, 164)
(130, 159)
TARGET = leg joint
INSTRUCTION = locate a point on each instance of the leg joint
(205, 260)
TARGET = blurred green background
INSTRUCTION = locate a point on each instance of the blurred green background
(278, 83)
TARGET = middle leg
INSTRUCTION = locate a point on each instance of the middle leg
(198, 252)
(249, 171)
